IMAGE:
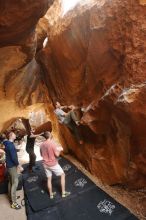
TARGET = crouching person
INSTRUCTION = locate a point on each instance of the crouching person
(12, 164)
(50, 151)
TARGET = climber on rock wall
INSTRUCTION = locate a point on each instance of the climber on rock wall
(69, 119)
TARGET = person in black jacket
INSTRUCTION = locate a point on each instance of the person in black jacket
(12, 164)
(30, 148)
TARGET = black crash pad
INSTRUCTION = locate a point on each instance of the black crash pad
(87, 201)
(93, 204)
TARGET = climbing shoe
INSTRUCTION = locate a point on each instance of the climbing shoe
(65, 194)
(15, 206)
(52, 195)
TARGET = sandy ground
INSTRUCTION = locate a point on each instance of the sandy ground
(6, 213)
(130, 199)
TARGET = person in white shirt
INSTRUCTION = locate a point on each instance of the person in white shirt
(69, 119)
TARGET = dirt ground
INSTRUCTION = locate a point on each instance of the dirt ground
(134, 200)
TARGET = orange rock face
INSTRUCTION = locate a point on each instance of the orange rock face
(20, 83)
(19, 18)
(95, 59)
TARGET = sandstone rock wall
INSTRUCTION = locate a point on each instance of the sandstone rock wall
(20, 76)
(96, 59)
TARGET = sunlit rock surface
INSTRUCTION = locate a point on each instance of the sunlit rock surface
(20, 76)
(95, 59)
